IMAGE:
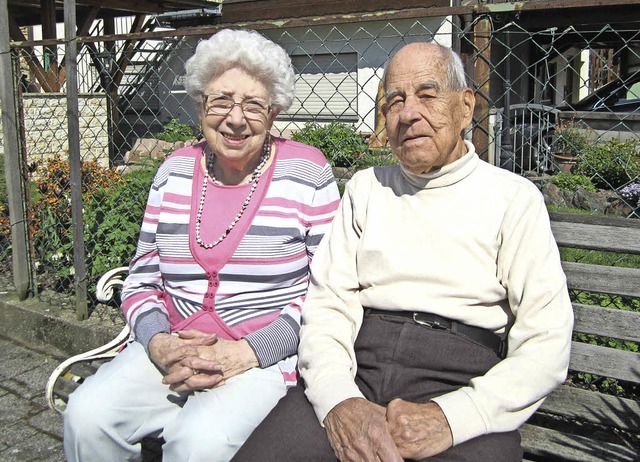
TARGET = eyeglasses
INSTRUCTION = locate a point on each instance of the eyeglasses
(220, 105)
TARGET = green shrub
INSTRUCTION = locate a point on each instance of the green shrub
(340, 143)
(375, 157)
(113, 207)
(51, 223)
(571, 139)
(113, 217)
(610, 164)
(571, 182)
(5, 224)
(174, 130)
(3, 182)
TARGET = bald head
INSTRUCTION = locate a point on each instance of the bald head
(452, 64)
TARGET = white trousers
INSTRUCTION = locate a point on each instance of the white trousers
(125, 400)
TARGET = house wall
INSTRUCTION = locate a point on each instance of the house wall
(373, 42)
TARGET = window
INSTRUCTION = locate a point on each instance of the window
(326, 87)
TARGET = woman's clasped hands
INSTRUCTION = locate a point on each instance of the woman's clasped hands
(193, 360)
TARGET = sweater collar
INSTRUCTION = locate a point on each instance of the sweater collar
(447, 175)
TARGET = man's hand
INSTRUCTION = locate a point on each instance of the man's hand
(233, 356)
(180, 363)
(357, 431)
(419, 430)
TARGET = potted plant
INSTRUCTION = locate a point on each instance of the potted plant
(571, 140)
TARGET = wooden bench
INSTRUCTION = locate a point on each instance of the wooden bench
(573, 424)
(585, 425)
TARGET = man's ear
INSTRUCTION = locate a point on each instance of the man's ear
(468, 104)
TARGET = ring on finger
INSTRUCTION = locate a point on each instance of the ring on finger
(195, 371)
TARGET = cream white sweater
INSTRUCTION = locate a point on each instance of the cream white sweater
(470, 242)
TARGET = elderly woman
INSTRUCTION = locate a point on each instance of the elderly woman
(215, 290)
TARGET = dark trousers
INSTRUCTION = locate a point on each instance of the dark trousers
(396, 359)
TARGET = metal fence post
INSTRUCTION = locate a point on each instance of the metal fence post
(13, 177)
(71, 52)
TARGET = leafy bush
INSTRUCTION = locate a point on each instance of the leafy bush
(112, 221)
(3, 183)
(610, 164)
(113, 209)
(174, 130)
(340, 143)
(375, 157)
(51, 216)
(5, 224)
(571, 182)
(571, 139)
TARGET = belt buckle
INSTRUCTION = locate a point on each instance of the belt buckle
(430, 324)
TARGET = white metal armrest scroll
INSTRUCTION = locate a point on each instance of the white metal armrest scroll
(105, 290)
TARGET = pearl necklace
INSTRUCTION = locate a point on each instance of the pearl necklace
(255, 177)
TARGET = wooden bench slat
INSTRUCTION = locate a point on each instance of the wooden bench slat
(596, 408)
(603, 279)
(556, 445)
(609, 322)
(64, 387)
(595, 220)
(83, 369)
(587, 236)
(608, 362)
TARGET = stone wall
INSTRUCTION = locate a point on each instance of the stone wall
(45, 125)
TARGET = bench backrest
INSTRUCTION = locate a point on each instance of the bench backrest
(578, 423)
(607, 234)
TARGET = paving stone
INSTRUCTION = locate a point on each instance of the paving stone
(13, 408)
(16, 432)
(37, 448)
(8, 349)
(29, 430)
(29, 383)
(19, 364)
(21, 389)
(47, 421)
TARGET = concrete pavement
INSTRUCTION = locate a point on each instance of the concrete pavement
(34, 338)
(29, 430)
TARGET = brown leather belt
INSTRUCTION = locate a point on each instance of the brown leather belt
(433, 321)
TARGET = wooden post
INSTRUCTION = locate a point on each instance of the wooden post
(378, 138)
(71, 55)
(48, 15)
(481, 78)
(12, 165)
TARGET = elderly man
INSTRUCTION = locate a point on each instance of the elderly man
(438, 317)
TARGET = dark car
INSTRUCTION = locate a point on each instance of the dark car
(619, 95)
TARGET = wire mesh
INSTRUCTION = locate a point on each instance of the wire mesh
(551, 102)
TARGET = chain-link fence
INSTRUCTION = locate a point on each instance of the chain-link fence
(559, 105)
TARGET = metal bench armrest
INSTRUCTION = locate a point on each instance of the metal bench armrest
(105, 291)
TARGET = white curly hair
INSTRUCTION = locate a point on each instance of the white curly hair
(248, 50)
